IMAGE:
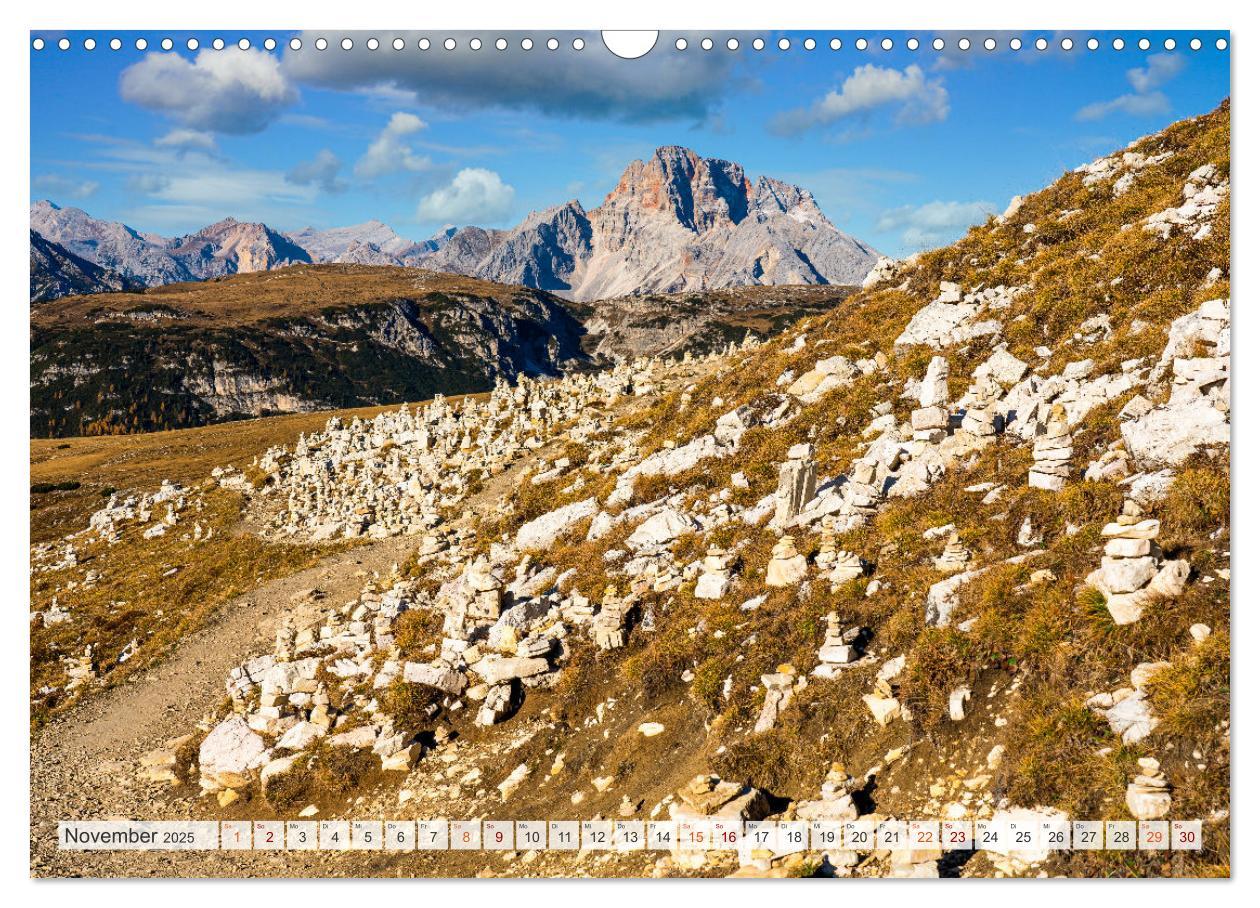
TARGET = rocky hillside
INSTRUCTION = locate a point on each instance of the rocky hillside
(228, 247)
(676, 222)
(300, 339)
(697, 322)
(57, 272)
(957, 549)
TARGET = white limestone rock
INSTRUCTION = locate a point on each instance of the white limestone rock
(230, 754)
(542, 532)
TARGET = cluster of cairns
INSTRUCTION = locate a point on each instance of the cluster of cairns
(154, 514)
(1134, 573)
(504, 631)
(396, 474)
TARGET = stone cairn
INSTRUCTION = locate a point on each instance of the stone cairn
(787, 566)
(840, 647)
(837, 565)
(1134, 573)
(825, 560)
(715, 576)
(779, 685)
(955, 558)
(610, 625)
(883, 702)
(930, 421)
(860, 497)
(798, 481)
(1149, 795)
(1052, 452)
(982, 418)
(80, 669)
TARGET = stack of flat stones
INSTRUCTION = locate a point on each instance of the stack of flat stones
(1052, 452)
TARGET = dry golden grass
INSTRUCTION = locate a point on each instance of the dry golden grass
(151, 591)
(259, 296)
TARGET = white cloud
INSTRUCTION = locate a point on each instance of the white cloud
(389, 153)
(1145, 100)
(64, 187)
(321, 171)
(596, 83)
(475, 195)
(1135, 105)
(227, 189)
(934, 223)
(187, 140)
(226, 91)
(917, 99)
(1159, 70)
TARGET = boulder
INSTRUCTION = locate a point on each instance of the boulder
(444, 679)
(661, 529)
(498, 671)
(230, 755)
(542, 532)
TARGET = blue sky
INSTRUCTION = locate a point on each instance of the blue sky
(902, 148)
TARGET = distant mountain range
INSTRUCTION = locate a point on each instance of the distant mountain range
(55, 271)
(676, 222)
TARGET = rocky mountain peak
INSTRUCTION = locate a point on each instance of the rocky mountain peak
(700, 193)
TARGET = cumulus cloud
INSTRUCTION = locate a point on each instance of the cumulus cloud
(389, 153)
(933, 224)
(63, 187)
(594, 83)
(321, 171)
(914, 97)
(187, 140)
(474, 195)
(1145, 100)
(223, 91)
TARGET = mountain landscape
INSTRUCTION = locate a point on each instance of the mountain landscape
(952, 544)
(677, 222)
(685, 255)
(228, 247)
(57, 272)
